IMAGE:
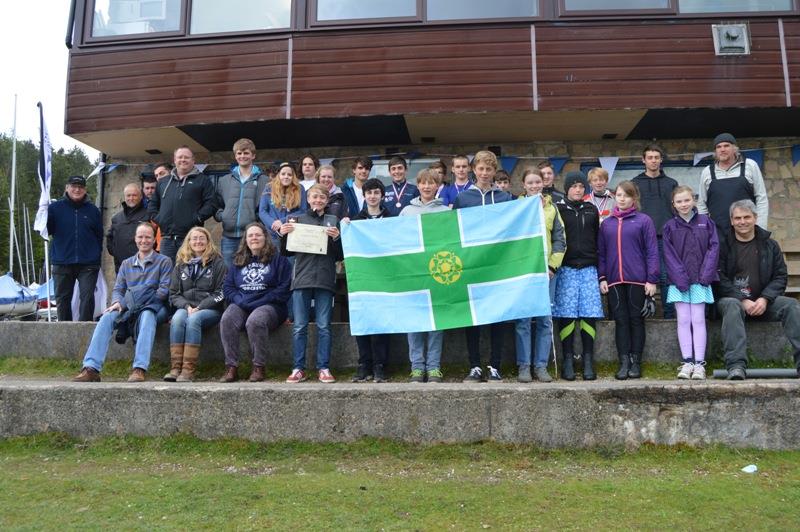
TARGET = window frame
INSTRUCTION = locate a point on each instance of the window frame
(313, 22)
(542, 7)
(244, 33)
(716, 14)
(88, 27)
(563, 12)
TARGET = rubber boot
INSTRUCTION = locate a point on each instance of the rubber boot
(588, 367)
(191, 352)
(568, 367)
(175, 362)
(624, 366)
(635, 371)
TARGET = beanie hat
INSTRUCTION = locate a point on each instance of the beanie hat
(574, 177)
(724, 137)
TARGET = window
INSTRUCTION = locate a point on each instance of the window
(130, 17)
(213, 16)
(733, 6)
(614, 5)
(481, 9)
(331, 10)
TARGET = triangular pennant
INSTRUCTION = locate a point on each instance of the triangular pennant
(757, 155)
(609, 164)
(558, 163)
(700, 156)
(795, 154)
(323, 162)
(508, 163)
(201, 167)
(97, 169)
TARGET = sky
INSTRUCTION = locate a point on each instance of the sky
(34, 66)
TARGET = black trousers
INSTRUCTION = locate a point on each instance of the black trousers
(625, 301)
(372, 349)
(473, 338)
(64, 277)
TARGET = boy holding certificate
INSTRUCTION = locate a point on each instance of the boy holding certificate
(313, 278)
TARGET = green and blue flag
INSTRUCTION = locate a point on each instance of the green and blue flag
(448, 269)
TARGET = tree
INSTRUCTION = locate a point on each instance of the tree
(65, 163)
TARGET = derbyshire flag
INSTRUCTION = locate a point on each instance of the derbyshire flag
(447, 270)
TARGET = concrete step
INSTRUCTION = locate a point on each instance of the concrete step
(761, 414)
(69, 341)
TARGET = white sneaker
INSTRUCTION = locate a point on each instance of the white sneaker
(685, 371)
(699, 372)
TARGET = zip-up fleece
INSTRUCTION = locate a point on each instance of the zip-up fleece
(202, 292)
(237, 201)
(691, 251)
(771, 268)
(474, 196)
(627, 249)
(312, 270)
(76, 232)
(655, 195)
(581, 223)
(417, 207)
(554, 231)
(178, 205)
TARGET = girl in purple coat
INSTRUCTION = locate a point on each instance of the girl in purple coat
(691, 252)
(627, 266)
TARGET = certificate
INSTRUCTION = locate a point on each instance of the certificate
(308, 238)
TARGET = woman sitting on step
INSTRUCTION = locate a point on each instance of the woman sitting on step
(256, 289)
(196, 291)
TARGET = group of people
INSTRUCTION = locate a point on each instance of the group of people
(701, 249)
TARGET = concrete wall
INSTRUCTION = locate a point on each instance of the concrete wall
(70, 340)
(605, 414)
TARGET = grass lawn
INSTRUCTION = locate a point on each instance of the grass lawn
(49, 482)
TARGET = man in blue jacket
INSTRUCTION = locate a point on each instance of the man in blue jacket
(76, 243)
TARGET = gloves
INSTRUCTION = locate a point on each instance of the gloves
(649, 307)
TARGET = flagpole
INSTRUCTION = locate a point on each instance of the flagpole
(13, 190)
(26, 229)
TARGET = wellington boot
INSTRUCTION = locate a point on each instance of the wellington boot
(568, 367)
(588, 367)
(191, 352)
(175, 362)
(635, 370)
(624, 366)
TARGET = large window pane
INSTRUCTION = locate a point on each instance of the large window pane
(130, 17)
(608, 5)
(480, 9)
(213, 16)
(365, 9)
(733, 6)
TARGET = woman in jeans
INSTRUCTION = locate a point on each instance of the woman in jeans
(196, 291)
(256, 289)
(628, 269)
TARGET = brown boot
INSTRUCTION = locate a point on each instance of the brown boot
(175, 362)
(191, 352)
(137, 375)
(87, 374)
(257, 374)
(230, 374)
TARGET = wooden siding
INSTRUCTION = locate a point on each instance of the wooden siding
(413, 71)
(791, 32)
(178, 85)
(655, 66)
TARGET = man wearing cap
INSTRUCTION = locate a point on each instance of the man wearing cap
(76, 243)
(728, 179)
(182, 200)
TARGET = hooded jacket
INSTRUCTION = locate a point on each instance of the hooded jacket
(581, 223)
(691, 251)
(180, 204)
(120, 239)
(268, 212)
(417, 207)
(655, 196)
(76, 231)
(237, 201)
(554, 231)
(257, 284)
(349, 193)
(204, 291)
(312, 270)
(337, 205)
(771, 269)
(627, 249)
(474, 196)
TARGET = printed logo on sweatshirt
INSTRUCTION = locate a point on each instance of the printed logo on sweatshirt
(254, 276)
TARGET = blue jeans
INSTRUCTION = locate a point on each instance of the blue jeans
(663, 283)
(522, 341)
(146, 333)
(323, 304)
(416, 349)
(186, 329)
(228, 248)
(169, 247)
(543, 341)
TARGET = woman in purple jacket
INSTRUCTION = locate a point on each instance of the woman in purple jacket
(691, 253)
(627, 266)
(256, 289)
